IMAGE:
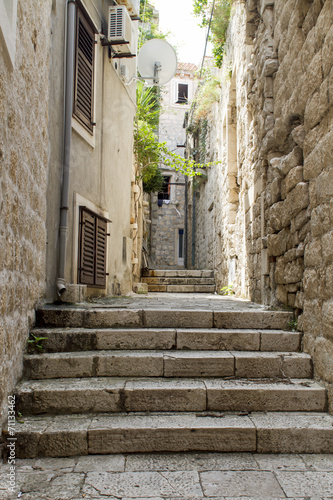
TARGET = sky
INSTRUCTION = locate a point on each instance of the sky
(176, 16)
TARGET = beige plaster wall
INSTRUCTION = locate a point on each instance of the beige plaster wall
(24, 155)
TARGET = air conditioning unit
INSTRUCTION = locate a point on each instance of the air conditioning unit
(120, 30)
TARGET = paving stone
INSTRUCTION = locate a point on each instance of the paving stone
(267, 364)
(199, 364)
(233, 340)
(164, 395)
(178, 319)
(294, 433)
(46, 463)
(271, 462)
(144, 484)
(248, 395)
(232, 483)
(318, 462)
(307, 483)
(100, 463)
(191, 461)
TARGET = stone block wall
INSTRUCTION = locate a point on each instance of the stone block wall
(278, 234)
(24, 89)
(165, 222)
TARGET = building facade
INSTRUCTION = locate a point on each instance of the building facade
(168, 208)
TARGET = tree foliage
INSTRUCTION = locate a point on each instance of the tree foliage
(149, 152)
(219, 24)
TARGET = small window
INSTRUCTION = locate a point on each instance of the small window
(166, 189)
(92, 249)
(182, 93)
(181, 243)
(84, 72)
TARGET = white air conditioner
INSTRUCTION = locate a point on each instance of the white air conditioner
(120, 30)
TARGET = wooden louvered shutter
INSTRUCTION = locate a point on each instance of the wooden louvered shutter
(92, 248)
(84, 75)
(87, 248)
(100, 255)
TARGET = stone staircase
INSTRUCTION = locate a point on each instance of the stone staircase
(179, 281)
(116, 380)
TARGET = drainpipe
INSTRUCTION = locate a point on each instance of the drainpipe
(68, 109)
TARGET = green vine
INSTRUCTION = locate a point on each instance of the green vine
(219, 23)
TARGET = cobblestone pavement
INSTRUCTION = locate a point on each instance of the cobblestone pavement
(187, 476)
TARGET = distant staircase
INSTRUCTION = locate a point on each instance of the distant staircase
(179, 281)
(128, 380)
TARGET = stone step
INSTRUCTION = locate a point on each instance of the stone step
(168, 364)
(84, 339)
(177, 281)
(70, 435)
(99, 317)
(178, 273)
(182, 288)
(103, 394)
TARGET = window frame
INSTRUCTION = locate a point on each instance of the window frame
(166, 193)
(178, 99)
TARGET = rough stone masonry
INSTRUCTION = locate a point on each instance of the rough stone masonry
(268, 204)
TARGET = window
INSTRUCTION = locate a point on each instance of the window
(180, 247)
(182, 93)
(92, 249)
(84, 72)
(166, 188)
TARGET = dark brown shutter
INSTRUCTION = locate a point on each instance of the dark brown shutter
(87, 248)
(100, 261)
(92, 249)
(84, 76)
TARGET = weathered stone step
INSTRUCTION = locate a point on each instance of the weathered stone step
(177, 281)
(71, 435)
(98, 317)
(168, 364)
(182, 288)
(123, 394)
(83, 339)
(178, 273)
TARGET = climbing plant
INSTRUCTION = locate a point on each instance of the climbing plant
(218, 18)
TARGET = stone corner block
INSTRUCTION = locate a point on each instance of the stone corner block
(141, 288)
